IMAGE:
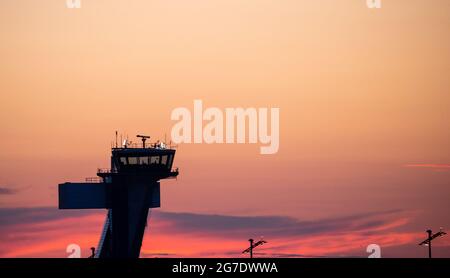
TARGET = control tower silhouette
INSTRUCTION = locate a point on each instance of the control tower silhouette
(127, 190)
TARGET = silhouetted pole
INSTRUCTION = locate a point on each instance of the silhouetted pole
(429, 242)
(430, 238)
(92, 252)
(252, 246)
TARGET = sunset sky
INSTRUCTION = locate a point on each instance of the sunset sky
(364, 122)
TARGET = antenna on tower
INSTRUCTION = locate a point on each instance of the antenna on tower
(143, 138)
(116, 138)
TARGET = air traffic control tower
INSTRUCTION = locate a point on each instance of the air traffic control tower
(127, 190)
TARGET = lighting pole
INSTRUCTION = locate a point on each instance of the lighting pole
(252, 246)
(430, 238)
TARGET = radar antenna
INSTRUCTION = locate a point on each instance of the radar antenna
(143, 138)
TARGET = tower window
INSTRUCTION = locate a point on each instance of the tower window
(154, 160)
(164, 160)
(123, 161)
(133, 160)
(169, 161)
(143, 160)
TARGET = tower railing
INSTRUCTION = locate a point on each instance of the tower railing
(94, 179)
(114, 171)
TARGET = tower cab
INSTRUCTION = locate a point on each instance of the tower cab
(153, 160)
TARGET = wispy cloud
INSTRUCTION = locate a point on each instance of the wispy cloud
(432, 166)
(21, 215)
(272, 225)
(7, 190)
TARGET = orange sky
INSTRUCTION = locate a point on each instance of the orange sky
(363, 95)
